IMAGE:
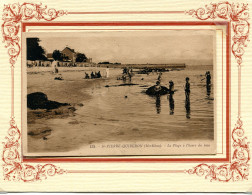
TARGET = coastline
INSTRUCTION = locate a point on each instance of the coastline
(71, 90)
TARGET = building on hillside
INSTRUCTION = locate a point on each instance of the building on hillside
(70, 54)
(89, 60)
(49, 56)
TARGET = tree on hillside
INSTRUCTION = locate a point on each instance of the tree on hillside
(57, 55)
(34, 50)
(81, 57)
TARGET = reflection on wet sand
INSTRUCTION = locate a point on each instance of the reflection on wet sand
(187, 107)
(171, 103)
(158, 104)
(208, 90)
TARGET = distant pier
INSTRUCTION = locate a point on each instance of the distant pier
(142, 66)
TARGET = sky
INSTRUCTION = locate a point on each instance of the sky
(137, 47)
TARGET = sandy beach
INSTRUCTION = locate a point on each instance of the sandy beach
(71, 90)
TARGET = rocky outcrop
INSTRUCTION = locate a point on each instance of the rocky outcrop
(40, 132)
(39, 100)
(153, 91)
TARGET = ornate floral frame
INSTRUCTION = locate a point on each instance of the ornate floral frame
(236, 14)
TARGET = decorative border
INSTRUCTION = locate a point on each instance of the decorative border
(238, 168)
(13, 168)
(236, 14)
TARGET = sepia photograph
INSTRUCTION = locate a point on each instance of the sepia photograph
(119, 93)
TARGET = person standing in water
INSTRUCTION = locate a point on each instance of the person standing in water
(208, 78)
(187, 88)
(170, 97)
(171, 87)
(208, 83)
(187, 100)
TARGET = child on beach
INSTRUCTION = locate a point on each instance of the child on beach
(99, 74)
(171, 87)
(187, 88)
(92, 75)
(157, 86)
(86, 76)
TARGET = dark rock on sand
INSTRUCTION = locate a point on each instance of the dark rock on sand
(40, 132)
(80, 104)
(143, 86)
(152, 91)
(124, 84)
(39, 100)
(72, 109)
(58, 78)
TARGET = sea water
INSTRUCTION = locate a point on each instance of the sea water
(131, 115)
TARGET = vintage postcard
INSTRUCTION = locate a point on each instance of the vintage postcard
(125, 96)
(119, 93)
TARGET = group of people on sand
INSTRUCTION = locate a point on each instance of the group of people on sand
(127, 73)
(93, 75)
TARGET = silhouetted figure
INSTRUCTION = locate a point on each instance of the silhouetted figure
(157, 86)
(171, 103)
(208, 78)
(171, 87)
(158, 104)
(125, 71)
(99, 74)
(187, 88)
(92, 75)
(187, 107)
(86, 76)
(129, 74)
